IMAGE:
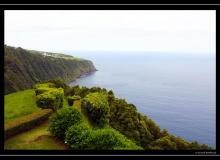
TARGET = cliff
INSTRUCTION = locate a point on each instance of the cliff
(23, 68)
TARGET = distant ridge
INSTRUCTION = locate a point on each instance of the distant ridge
(23, 68)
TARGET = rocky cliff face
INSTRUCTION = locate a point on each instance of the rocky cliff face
(23, 68)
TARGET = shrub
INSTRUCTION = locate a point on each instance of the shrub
(71, 99)
(125, 118)
(78, 136)
(41, 90)
(181, 144)
(81, 137)
(195, 145)
(110, 139)
(26, 122)
(96, 105)
(164, 143)
(153, 127)
(52, 98)
(62, 119)
(59, 83)
(43, 87)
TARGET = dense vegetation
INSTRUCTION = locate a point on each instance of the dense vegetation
(120, 125)
(31, 67)
(49, 96)
(67, 124)
(71, 99)
(80, 137)
(62, 120)
(97, 107)
(125, 118)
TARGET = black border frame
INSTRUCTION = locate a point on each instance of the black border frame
(106, 7)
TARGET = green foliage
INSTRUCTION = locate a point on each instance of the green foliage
(125, 118)
(30, 67)
(81, 137)
(164, 133)
(163, 143)
(57, 83)
(170, 142)
(196, 146)
(43, 87)
(181, 144)
(62, 120)
(96, 105)
(83, 91)
(52, 98)
(78, 136)
(110, 139)
(71, 99)
(80, 91)
(152, 126)
(26, 122)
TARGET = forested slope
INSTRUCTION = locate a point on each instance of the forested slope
(23, 68)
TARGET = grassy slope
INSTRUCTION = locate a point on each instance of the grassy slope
(19, 104)
(37, 138)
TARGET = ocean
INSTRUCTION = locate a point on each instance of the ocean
(177, 91)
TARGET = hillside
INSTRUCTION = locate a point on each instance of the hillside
(23, 68)
(87, 119)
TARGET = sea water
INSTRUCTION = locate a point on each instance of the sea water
(177, 91)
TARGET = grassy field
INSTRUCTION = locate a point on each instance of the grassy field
(19, 104)
(23, 103)
(35, 139)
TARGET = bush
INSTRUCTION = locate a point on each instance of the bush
(62, 119)
(110, 139)
(125, 118)
(96, 105)
(52, 98)
(78, 136)
(81, 137)
(196, 146)
(41, 90)
(71, 99)
(163, 143)
(25, 123)
(152, 127)
(43, 87)
(57, 82)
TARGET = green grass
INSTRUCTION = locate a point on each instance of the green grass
(23, 103)
(77, 104)
(19, 104)
(34, 139)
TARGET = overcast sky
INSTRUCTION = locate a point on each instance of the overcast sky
(150, 31)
